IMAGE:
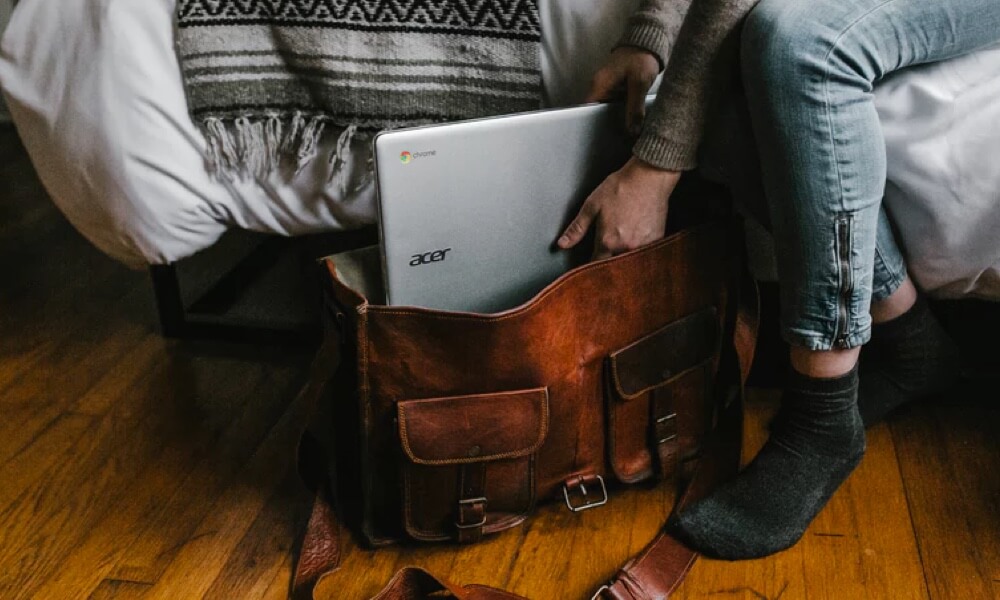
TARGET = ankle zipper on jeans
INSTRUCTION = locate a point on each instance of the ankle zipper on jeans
(843, 231)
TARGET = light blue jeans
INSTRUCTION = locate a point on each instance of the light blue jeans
(809, 67)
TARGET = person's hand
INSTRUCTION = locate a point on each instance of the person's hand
(629, 208)
(632, 70)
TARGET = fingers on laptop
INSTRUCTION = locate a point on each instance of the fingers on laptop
(578, 228)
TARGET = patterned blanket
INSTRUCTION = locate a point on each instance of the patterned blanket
(265, 77)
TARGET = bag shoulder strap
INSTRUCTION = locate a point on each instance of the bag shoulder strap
(660, 568)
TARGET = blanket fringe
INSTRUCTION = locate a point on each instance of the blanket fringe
(338, 159)
(246, 147)
(309, 145)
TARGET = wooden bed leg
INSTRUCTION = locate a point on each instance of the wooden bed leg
(169, 304)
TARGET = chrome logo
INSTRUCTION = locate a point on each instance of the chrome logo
(405, 158)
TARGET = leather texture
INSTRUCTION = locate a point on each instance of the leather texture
(560, 340)
(483, 445)
(472, 429)
(656, 409)
(465, 421)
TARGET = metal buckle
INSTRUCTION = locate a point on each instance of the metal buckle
(587, 503)
(666, 418)
(472, 526)
(600, 591)
(466, 502)
(662, 420)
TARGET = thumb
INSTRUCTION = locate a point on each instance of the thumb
(578, 228)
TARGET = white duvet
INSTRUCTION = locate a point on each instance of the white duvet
(95, 91)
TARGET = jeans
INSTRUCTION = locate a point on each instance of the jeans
(809, 67)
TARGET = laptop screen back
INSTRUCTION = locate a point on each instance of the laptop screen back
(470, 211)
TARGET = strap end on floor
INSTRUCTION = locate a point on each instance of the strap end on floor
(320, 550)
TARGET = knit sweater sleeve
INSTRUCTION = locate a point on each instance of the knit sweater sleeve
(704, 49)
(654, 27)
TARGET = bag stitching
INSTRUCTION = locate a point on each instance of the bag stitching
(536, 445)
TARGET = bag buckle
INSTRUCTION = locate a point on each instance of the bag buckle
(472, 501)
(600, 592)
(589, 500)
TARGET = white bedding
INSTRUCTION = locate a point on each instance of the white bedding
(94, 87)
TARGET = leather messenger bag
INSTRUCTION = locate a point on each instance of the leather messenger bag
(448, 427)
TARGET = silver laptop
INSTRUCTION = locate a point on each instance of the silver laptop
(470, 212)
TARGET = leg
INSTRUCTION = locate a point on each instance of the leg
(809, 69)
(909, 356)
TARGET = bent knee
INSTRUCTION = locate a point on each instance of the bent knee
(781, 40)
(790, 43)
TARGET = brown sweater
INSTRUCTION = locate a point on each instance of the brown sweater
(696, 40)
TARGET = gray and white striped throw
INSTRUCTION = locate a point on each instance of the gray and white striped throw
(265, 77)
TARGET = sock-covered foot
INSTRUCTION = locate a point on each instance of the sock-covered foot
(816, 441)
(908, 358)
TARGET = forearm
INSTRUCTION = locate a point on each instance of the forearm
(654, 27)
(705, 48)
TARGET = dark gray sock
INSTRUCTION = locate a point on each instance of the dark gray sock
(816, 441)
(908, 358)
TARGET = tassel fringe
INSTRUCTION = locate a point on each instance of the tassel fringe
(248, 148)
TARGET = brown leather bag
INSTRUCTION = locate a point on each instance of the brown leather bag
(452, 426)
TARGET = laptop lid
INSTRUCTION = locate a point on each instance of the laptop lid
(470, 211)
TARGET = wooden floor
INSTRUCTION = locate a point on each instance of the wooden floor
(132, 467)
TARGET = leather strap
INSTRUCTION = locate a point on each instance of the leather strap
(471, 503)
(663, 431)
(657, 571)
(320, 547)
(652, 575)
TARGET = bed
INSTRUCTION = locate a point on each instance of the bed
(95, 91)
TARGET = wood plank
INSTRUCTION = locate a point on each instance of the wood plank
(78, 491)
(31, 459)
(778, 576)
(602, 537)
(112, 589)
(15, 362)
(34, 463)
(544, 557)
(40, 396)
(280, 586)
(47, 298)
(211, 469)
(862, 544)
(132, 524)
(344, 584)
(265, 548)
(492, 560)
(948, 454)
(198, 563)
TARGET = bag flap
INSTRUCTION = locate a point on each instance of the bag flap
(665, 353)
(475, 428)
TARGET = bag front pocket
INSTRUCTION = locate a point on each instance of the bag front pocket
(469, 466)
(659, 391)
